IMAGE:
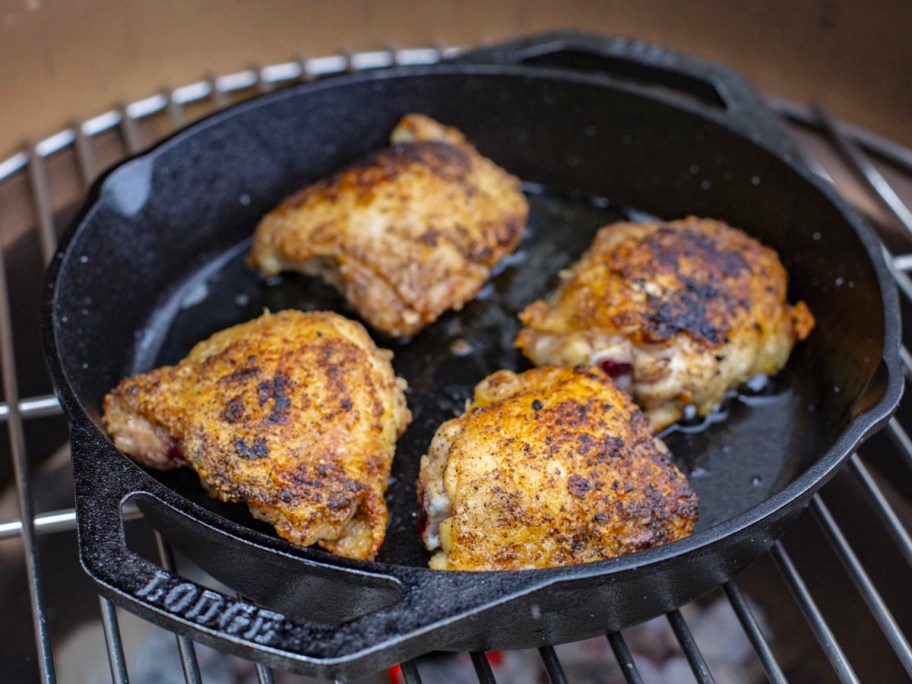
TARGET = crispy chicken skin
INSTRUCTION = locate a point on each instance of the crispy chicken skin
(295, 414)
(554, 466)
(406, 233)
(678, 313)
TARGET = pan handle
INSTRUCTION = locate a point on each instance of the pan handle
(105, 479)
(712, 89)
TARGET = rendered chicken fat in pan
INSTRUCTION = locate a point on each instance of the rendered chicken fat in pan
(550, 467)
(295, 414)
(406, 233)
(678, 313)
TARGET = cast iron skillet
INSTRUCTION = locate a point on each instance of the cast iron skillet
(599, 129)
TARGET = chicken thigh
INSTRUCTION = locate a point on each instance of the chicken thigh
(295, 414)
(406, 233)
(554, 466)
(678, 313)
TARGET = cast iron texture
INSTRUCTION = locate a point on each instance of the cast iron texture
(154, 264)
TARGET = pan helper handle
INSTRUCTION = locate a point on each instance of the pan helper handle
(682, 80)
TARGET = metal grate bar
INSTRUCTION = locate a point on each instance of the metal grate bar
(818, 625)
(264, 674)
(901, 439)
(143, 108)
(624, 658)
(47, 522)
(13, 165)
(192, 92)
(393, 51)
(410, 672)
(482, 668)
(906, 359)
(57, 142)
(219, 98)
(902, 280)
(85, 156)
(754, 633)
(262, 85)
(37, 407)
(867, 170)
(106, 121)
(899, 532)
(552, 665)
(41, 196)
(864, 585)
(57, 521)
(303, 76)
(418, 56)
(184, 644)
(231, 83)
(691, 649)
(870, 141)
(877, 144)
(784, 109)
(364, 61)
(23, 489)
(816, 167)
(129, 130)
(188, 660)
(114, 644)
(285, 72)
(175, 110)
(349, 65)
(326, 66)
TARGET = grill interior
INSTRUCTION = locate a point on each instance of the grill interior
(840, 572)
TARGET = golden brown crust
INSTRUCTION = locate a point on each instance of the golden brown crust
(405, 233)
(551, 467)
(694, 306)
(295, 414)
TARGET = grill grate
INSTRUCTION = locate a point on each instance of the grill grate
(139, 123)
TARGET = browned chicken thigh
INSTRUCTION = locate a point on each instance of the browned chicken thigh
(295, 414)
(406, 233)
(551, 467)
(678, 313)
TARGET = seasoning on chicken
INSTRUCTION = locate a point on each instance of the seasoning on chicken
(551, 467)
(677, 313)
(406, 233)
(295, 414)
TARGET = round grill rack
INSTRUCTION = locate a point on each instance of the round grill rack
(868, 502)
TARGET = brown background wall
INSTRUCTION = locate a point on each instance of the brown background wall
(75, 58)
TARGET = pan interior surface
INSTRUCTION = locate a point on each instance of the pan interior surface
(156, 265)
(728, 459)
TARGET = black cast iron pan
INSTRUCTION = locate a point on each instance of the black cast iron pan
(599, 129)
